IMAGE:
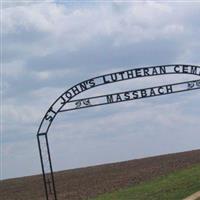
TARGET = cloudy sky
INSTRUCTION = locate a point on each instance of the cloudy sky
(49, 46)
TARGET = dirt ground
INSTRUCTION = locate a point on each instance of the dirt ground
(83, 183)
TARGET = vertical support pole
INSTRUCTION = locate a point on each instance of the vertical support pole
(51, 168)
(42, 164)
(47, 170)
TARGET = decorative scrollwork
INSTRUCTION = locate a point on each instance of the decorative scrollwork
(198, 83)
(85, 102)
(78, 104)
(190, 85)
(193, 84)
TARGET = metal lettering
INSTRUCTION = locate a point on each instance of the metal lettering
(50, 114)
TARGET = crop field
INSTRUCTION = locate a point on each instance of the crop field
(151, 176)
(175, 186)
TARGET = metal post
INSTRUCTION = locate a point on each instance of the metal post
(42, 164)
(52, 175)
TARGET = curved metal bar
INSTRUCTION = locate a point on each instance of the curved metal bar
(102, 80)
(67, 96)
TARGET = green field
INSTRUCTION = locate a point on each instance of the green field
(174, 186)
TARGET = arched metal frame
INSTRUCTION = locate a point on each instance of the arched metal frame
(65, 103)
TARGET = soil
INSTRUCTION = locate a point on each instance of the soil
(84, 183)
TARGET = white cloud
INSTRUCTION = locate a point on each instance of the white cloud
(54, 26)
(14, 69)
(23, 114)
(48, 74)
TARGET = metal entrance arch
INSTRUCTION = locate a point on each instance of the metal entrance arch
(65, 103)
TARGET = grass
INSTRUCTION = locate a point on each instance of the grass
(175, 186)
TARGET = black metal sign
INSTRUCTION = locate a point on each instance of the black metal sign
(66, 103)
(131, 95)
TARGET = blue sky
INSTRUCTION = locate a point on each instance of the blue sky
(48, 47)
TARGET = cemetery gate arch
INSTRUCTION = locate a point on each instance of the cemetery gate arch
(65, 102)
